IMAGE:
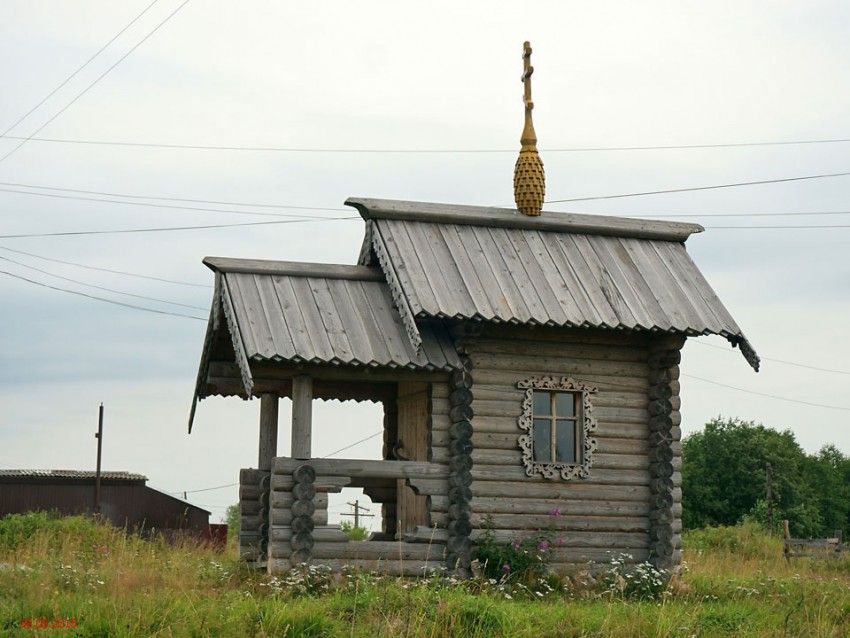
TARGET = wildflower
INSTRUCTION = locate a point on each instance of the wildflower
(517, 544)
(506, 568)
(543, 546)
(556, 512)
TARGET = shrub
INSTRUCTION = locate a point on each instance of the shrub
(520, 559)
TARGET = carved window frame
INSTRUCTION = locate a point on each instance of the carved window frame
(586, 423)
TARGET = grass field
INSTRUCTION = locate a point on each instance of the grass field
(84, 579)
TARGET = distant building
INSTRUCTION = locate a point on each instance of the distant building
(125, 500)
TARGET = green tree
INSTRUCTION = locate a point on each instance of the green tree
(724, 475)
(231, 517)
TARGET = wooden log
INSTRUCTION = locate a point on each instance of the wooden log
(491, 379)
(366, 550)
(526, 366)
(323, 484)
(567, 559)
(285, 499)
(425, 534)
(366, 468)
(562, 348)
(249, 508)
(482, 472)
(251, 476)
(407, 568)
(307, 508)
(429, 486)
(546, 507)
(249, 492)
(565, 524)
(578, 540)
(304, 473)
(284, 517)
(322, 533)
(249, 523)
(269, 403)
(554, 490)
(302, 416)
(460, 396)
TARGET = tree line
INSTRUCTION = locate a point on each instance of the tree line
(725, 475)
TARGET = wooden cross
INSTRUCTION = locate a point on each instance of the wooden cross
(526, 75)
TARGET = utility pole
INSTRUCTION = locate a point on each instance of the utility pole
(99, 437)
(357, 507)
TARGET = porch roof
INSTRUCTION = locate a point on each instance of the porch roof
(276, 311)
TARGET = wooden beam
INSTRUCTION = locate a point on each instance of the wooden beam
(269, 403)
(302, 416)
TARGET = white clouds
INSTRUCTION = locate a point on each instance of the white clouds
(373, 75)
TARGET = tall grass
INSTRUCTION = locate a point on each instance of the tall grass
(734, 583)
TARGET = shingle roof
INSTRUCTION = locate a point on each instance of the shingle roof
(493, 264)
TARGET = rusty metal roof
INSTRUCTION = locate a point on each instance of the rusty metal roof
(73, 474)
(490, 264)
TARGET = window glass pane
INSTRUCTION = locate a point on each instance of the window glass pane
(542, 440)
(565, 404)
(542, 403)
(565, 442)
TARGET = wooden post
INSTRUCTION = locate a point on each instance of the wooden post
(268, 430)
(99, 437)
(302, 416)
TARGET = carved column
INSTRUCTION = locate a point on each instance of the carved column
(664, 357)
(459, 546)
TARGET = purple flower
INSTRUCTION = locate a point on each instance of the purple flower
(543, 546)
(517, 544)
(556, 512)
(506, 568)
(559, 541)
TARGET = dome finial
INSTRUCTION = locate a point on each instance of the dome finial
(529, 180)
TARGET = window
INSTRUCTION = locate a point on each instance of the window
(556, 421)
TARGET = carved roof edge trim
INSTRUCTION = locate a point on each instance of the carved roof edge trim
(576, 223)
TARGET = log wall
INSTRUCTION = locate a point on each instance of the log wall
(254, 498)
(618, 506)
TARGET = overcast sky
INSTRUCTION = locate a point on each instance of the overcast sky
(319, 84)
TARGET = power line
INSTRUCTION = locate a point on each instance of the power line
(73, 75)
(774, 227)
(278, 149)
(168, 199)
(168, 228)
(676, 215)
(770, 396)
(697, 188)
(112, 301)
(790, 363)
(98, 79)
(82, 283)
(114, 272)
(342, 449)
(153, 205)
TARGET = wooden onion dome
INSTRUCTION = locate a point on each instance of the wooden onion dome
(529, 179)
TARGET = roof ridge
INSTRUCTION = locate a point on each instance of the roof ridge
(576, 223)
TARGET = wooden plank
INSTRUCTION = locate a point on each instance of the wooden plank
(284, 482)
(269, 403)
(367, 468)
(413, 416)
(302, 416)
